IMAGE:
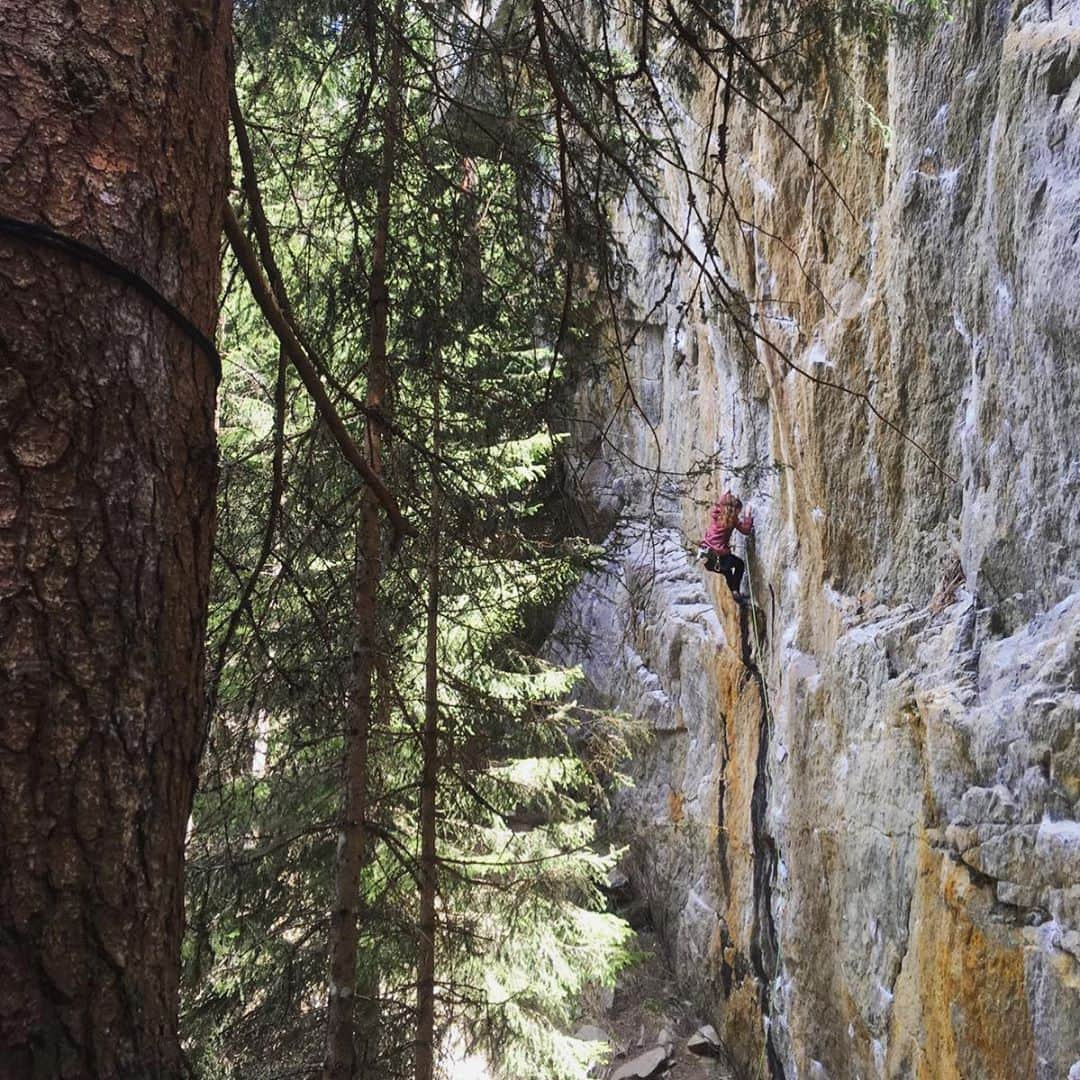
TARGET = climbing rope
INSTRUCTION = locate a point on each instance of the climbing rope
(764, 1066)
(758, 653)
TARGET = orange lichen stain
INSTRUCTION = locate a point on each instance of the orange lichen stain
(961, 1006)
(737, 704)
(729, 614)
(741, 1029)
(714, 951)
(675, 803)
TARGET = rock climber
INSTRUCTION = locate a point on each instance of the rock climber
(716, 543)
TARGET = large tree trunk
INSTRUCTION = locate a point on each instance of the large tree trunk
(112, 130)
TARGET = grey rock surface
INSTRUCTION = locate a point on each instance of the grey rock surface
(592, 1033)
(651, 1063)
(865, 862)
(704, 1042)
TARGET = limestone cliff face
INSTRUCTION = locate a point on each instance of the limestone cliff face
(856, 822)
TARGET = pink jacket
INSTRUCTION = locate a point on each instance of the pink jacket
(722, 520)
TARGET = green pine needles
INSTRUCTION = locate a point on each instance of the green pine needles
(429, 188)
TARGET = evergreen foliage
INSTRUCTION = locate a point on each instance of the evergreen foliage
(518, 128)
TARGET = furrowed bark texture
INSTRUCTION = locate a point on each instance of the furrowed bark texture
(112, 130)
(429, 781)
(348, 1052)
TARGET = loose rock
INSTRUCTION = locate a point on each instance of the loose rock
(704, 1042)
(592, 1033)
(651, 1063)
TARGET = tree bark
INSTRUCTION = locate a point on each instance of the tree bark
(342, 1053)
(113, 131)
(425, 961)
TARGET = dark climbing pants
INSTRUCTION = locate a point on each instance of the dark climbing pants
(731, 566)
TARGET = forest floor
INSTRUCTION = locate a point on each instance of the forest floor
(646, 1011)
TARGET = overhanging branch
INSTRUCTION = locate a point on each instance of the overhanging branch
(309, 376)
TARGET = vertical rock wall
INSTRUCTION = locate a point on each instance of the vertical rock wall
(863, 851)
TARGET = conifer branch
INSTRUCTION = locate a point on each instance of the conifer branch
(305, 368)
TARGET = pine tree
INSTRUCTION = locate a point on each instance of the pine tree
(436, 190)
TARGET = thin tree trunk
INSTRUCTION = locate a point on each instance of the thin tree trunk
(341, 1052)
(113, 132)
(425, 962)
